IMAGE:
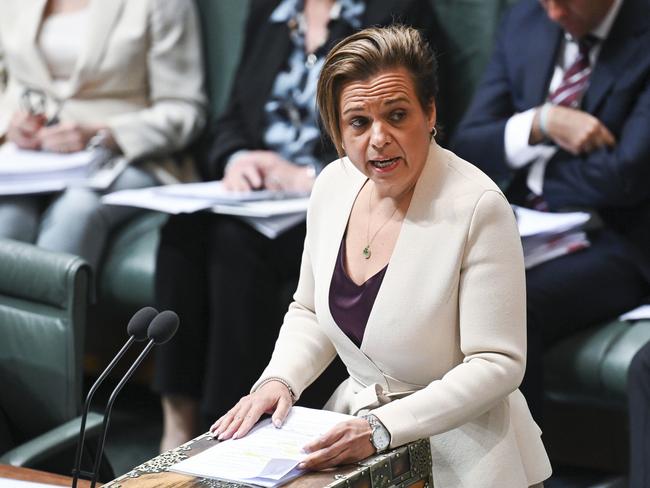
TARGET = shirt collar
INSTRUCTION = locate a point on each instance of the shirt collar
(602, 30)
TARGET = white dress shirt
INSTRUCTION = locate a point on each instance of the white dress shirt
(519, 152)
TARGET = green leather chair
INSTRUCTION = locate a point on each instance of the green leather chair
(43, 302)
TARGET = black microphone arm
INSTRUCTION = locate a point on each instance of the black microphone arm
(162, 328)
(137, 331)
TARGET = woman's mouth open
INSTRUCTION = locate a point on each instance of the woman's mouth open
(385, 164)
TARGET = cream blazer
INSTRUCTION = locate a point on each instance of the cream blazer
(444, 349)
(140, 70)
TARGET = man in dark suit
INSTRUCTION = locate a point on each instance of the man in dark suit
(561, 120)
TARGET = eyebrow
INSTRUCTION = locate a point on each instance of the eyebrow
(390, 101)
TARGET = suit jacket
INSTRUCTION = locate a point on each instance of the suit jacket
(613, 181)
(140, 70)
(266, 50)
(446, 338)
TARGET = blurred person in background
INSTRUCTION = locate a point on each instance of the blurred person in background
(126, 74)
(226, 280)
(561, 121)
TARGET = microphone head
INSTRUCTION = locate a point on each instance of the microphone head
(163, 327)
(139, 323)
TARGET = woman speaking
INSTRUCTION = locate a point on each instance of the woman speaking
(412, 272)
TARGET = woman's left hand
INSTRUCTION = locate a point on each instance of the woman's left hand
(66, 137)
(346, 443)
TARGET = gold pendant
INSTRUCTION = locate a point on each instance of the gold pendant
(366, 252)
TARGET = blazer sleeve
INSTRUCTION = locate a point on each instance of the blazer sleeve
(480, 135)
(492, 329)
(175, 76)
(303, 350)
(607, 177)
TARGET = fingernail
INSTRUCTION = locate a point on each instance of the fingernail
(302, 466)
(277, 423)
(235, 436)
(221, 436)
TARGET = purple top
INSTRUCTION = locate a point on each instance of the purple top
(350, 304)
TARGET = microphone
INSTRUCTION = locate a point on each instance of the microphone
(162, 328)
(137, 331)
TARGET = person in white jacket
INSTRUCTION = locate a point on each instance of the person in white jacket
(412, 272)
(127, 73)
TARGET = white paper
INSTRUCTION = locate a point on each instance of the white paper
(531, 222)
(537, 252)
(24, 172)
(639, 313)
(151, 199)
(272, 227)
(20, 162)
(11, 483)
(265, 208)
(215, 191)
(267, 456)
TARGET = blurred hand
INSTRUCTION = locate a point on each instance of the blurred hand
(266, 169)
(273, 398)
(281, 175)
(577, 131)
(66, 137)
(347, 442)
(23, 129)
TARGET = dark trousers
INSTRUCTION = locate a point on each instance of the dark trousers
(231, 287)
(574, 292)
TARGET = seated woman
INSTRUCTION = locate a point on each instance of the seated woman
(128, 74)
(226, 281)
(412, 272)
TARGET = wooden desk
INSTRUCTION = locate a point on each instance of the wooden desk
(26, 474)
(405, 467)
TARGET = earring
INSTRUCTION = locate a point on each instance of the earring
(434, 132)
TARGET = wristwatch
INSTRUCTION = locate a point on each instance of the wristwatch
(380, 437)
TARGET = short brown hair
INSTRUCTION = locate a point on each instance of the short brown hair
(366, 53)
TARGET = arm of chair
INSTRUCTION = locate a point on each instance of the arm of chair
(52, 442)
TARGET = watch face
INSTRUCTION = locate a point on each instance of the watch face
(381, 439)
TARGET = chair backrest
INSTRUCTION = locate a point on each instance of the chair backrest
(222, 24)
(468, 29)
(43, 301)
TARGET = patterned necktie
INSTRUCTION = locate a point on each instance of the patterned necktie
(568, 94)
(576, 77)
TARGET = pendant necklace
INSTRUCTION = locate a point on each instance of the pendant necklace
(366, 250)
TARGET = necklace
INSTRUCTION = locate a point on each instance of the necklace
(366, 250)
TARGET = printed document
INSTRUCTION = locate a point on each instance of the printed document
(267, 456)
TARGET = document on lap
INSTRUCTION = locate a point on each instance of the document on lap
(24, 172)
(270, 213)
(267, 456)
(548, 235)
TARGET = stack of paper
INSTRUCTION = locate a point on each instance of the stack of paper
(270, 213)
(548, 235)
(267, 456)
(24, 172)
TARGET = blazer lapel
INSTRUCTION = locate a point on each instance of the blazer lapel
(540, 62)
(410, 243)
(31, 18)
(102, 17)
(619, 47)
(359, 365)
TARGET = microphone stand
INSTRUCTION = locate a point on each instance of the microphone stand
(109, 407)
(82, 431)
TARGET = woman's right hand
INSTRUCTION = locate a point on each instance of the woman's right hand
(23, 129)
(273, 398)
